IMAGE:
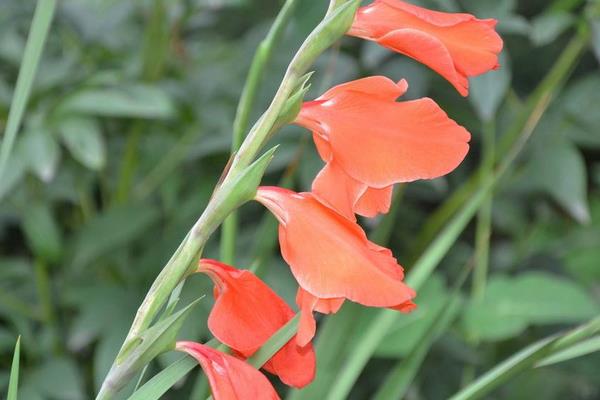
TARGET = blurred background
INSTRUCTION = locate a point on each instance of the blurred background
(129, 127)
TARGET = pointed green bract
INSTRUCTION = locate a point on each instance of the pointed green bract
(155, 340)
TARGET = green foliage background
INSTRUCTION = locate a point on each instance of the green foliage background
(129, 127)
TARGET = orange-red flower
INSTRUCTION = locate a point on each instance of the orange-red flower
(229, 377)
(456, 46)
(369, 142)
(332, 259)
(247, 313)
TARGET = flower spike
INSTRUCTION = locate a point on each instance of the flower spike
(454, 45)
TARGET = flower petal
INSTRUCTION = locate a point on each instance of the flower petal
(337, 189)
(247, 313)
(229, 377)
(374, 201)
(427, 50)
(454, 45)
(330, 256)
(411, 140)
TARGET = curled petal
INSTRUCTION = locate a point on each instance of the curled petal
(374, 201)
(456, 45)
(229, 377)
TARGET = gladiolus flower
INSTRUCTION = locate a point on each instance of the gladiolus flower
(247, 313)
(369, 142)
(229, 377)
(454, 45)
(332, 259)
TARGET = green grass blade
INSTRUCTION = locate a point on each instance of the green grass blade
(399, 379)
(13, 383)
(526, 359)
(583, 348)
(164, 380)
(275, 342)
(40, 26)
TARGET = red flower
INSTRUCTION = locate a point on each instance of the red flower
(369, 142)
(456, 46)
(229, 377)
(332, 259)
(247, 313)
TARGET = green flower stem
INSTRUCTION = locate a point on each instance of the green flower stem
(333, 26)
(42, 17)
(262, 57)
(535, 105)
(526, 359)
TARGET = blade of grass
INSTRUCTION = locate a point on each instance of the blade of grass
(38, 32)
(526, 359)
(164, 380)
(13, 383)
(400, 377)
(240, 124)
(275, 342)
(583, 348)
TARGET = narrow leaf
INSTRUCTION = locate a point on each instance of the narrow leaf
(525, 359)
(13, 383)
(164, 380)
(577, 350)
(40, 26)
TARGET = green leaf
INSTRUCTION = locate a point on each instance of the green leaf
(164, 380)
(13, 383)
(580, 100)
(400, 377)
(558, 168)
(407, 332)
(547, 27)
(15, 171)
(525, 359)
(533, 298)
(580, 349)
(275, 342)
(595, 24)
(39, 147)
(57, 378)
(42, 232)
(84, 140)
(135, 101)
(488, 90)
(110, 231)
(40, 26)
